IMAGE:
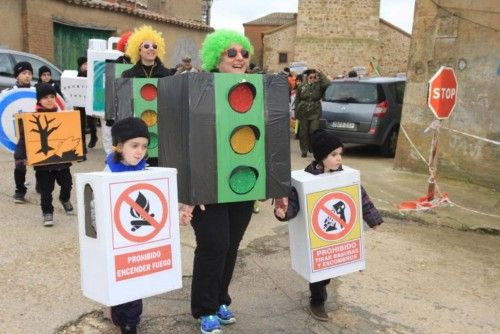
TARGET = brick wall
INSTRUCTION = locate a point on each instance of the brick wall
(11, 33)
(32, 29)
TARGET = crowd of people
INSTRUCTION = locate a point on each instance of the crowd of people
(218, 227)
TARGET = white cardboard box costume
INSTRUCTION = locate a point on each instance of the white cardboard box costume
(134, 250)
(326, 237)
(98, 52)
(74, 88)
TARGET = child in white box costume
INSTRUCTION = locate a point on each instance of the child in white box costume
(130, 145)
(327, 152)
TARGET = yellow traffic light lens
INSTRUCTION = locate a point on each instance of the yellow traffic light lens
(150, 117)
(244, 138)
(241, 97)
(243, 179)
(149, 92)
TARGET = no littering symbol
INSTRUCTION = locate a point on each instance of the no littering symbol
(333, 216)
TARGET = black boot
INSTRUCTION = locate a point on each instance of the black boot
(93, 141)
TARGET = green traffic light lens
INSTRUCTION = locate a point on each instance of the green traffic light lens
(243, 179)
(241, 97)
(153, 141)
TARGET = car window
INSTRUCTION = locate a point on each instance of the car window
(34, 62)
(352, 92)
(6, 68)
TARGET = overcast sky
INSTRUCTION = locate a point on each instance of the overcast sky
(232, 14)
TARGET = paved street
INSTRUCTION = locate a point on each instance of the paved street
(420, 277)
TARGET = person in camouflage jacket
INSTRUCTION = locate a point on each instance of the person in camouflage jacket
(308, 106)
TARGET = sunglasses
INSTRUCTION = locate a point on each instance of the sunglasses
(232, 52)
(147, 46)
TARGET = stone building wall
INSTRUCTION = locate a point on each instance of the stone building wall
(464, 35)
(394, 49)
(335, 35)
(32, 30)
(254, 34)
(279, 40)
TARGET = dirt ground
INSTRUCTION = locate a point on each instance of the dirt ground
(419, 279)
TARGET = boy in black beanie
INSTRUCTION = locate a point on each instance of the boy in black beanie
(327, 151)
(23, 71)
(45, 76)
(47, 175)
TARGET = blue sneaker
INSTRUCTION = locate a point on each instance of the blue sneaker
(210, 324)
(225, 315)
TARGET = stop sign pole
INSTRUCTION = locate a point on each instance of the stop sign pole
(442, 98)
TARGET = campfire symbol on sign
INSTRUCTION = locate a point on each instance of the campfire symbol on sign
(329, 224)
(143, 202)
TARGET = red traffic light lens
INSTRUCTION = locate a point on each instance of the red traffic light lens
(241, 97)
(149, 92)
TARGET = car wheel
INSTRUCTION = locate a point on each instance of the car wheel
(388, 148)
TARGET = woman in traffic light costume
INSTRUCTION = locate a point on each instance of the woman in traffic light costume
(146, 47)
(219, 227)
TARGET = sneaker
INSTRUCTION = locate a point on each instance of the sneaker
(48, 219)
(210, 324)
(225, 315)
(128, 329)
(19, 197)
(68, 208)
(318, 312)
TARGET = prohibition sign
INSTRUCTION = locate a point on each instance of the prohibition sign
(321, 209)
(125, 199)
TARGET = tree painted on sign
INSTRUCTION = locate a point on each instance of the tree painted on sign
(44, 132)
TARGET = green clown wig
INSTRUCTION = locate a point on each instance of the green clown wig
(140, 35)
(219, 41)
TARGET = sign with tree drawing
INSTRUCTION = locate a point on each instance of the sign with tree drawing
(51, 137)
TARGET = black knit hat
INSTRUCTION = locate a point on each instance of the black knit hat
(129, 128)
(44, 89)
(21, 66)
(44, 69)
(81, 61)
(323, 143)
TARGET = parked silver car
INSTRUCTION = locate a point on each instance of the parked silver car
(9, 58)
(365, 111)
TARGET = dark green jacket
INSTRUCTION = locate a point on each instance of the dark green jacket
(308, 98)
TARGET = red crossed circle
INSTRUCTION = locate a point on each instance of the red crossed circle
(321, 207)
(125, 199)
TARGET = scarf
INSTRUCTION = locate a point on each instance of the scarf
(117, 167)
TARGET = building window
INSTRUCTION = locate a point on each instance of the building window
(283, 57)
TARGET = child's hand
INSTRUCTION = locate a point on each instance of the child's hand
(280, 207)
(375, 227)
(186, 213)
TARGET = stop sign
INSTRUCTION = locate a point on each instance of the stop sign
(443, 92)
